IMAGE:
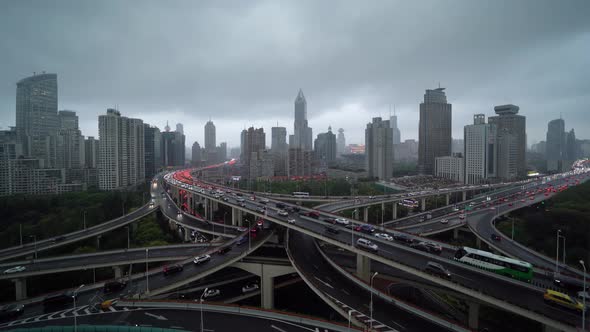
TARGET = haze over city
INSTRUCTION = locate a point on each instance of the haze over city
(242, 63)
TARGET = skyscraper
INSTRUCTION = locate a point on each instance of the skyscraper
(222, 152)
(254, 157)
(210, 136)
(121, 161)
(571, 148)
(153, 146)
(302, 134)
(340, 142)
(434, 136)
(379, 149)
(69, 144)
(396, 133)
(91, 152)
(173, 145)
(279, 149)
(480, 151)
(511, 129)
(196, 154)
(180, 128)
(325, 147)
(555, 146)
(36, 116)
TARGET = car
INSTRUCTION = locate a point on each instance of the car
(434, 247)
(15, 269)
(242, 204)
(240, 199)
(313, 214)
(532, 197)
(438, 269)
(296, 209)
(461, 216)
(259, 223)
(225, 199)
(224, 250)
(151, 205)
(510, 204)
(211, 292)
(264, 200)
(496, 237)
(283, 213)
(280, 205)
(552, 297)
(342, 221)
(241, 240)
(568, 283)
(581, 295)
(403, 237)
(261, 209)
(366, 244)
(179, 214)
(444, 221)
(11, 311)
(384, 236)
(422, 246)
(365, 228)
(371, 197)
(114, 286)
(250, 288)
(170, 269)
(291, 221)
(202, 259)
(332, 230)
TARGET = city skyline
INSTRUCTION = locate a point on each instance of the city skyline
(497, 72)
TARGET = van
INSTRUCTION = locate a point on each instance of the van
(366, 244)
(113, 286)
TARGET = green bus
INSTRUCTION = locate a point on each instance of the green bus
(494, 263)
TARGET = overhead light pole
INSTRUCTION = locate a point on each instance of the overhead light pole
(74, 312)
(585, 293)
(201, 302)
(371, 303)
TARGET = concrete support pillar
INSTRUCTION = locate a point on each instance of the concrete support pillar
(473, 315)
(98, 242)
(423, 204)
(455, 233)
(478, 243)
(267, 292)
(363, 267)
(366, 214)
(118, 272)
(206, 208)
(187, 236)
(394, 211)
(234, 216)
(20, 286)
(464, 196)
(448, 199)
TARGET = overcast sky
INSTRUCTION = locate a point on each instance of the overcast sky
(241, 63)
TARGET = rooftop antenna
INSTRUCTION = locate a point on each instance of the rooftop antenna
(390, 110)
(439, 85)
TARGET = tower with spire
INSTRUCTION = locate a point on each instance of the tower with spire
(302, 134)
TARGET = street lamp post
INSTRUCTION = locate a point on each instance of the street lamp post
(557, 251)
(371, 303)
(147, 275)
(35, 243)
(201, 302)
(127, 236)
(584, 297)
(75, 313)
(349, 314)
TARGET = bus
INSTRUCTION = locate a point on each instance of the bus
(409, 203)
(300, 194)
(494, 263)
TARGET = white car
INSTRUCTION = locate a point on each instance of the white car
(250, 288)
(201, 259)
(291, 221)
(264, 200)
(212, 292)
(342, 221)
(283, 213)
(461, 216)
(366, 244)
(15, 269)
(179, 214)
(444, 221)
(384, 236)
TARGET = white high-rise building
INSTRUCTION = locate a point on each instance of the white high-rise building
(511, 129)
(121, 161)
(396, 133)
(379, 149)
(480, 150)
(340, 143)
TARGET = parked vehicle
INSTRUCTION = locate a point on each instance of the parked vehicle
(212, 292)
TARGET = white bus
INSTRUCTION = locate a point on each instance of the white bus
(300, 194)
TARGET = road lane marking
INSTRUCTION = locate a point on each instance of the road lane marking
(323, 282)
(345, 292)
(277, 328)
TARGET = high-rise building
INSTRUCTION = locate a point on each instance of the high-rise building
(571, 148)
(511, 129)
(253, 144)
(222, 152)
(406, 151)
(396, 133)
(280, 150)
(121, 161)
(340, 143)
(91, 152)
(555, 145)
(325, 147)
(153, 148)
(434, 136)
(36, 116)
(300, 162)
(196, 154)
(450, 167)
(302, 134)
(210, 136)
(180, 128)
(173, 146)
(69, 144)
(67, 119)
(379, 149)
(480, 151)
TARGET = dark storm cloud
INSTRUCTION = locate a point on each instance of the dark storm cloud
(241, 62)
